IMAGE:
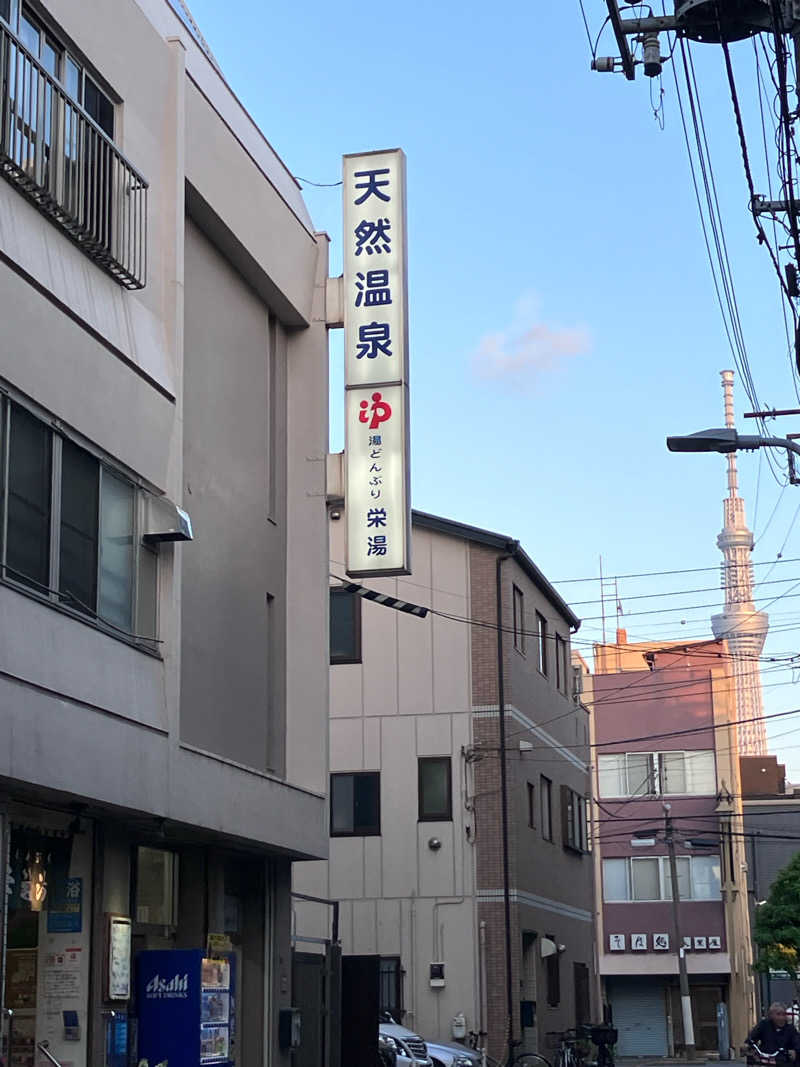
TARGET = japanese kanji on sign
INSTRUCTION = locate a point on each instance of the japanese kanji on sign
(377, 500)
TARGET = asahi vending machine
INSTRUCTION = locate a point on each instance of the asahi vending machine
(186, 1007)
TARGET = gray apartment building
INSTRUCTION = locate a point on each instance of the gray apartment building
(771, 817)
(416, 857)
(163, 539)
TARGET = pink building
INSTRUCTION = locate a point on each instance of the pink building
(665, 747)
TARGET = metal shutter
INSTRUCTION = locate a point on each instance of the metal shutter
(639, 1016)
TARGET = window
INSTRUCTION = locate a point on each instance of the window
(683, 867)
(435, 788)
(156, 886)
(116, 550)
(57, 140)
(561, 664)
(80, 490)
(691, 773)
(645, 884)
(553, 975)
(345, 612)
(541, 638)
(639, 766)
(615, 880)
(71, 530)
(531, 804)
(58, 62)
(648, 878)
(27, 547)
(546, 807)
(705, 877)
(657, 773)
(391, 987)
(519, 619)
(356, 804)
(573, 814)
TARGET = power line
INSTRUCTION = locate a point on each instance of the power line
(680, 647)
(660, 736)
(675, 592)
(788, 595)
(588, 31)
(684, 570)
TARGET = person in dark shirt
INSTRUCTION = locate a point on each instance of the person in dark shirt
(776, 1033)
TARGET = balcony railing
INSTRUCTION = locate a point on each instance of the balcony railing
(61, 160)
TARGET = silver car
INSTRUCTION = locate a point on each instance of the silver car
(409, 1047)
(450, 1054)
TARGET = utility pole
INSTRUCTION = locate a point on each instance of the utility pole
(686, 1003)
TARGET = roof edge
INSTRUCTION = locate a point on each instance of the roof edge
(503, 543)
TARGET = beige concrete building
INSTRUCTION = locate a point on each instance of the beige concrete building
(163, 702)
(416, 849)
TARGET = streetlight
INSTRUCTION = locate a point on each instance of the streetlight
(726, 439)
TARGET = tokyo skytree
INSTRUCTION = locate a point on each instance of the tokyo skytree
(744, 628)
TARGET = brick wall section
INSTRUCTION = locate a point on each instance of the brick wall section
(483, 608)
(568, 877)
(487, 813)
(492, 915)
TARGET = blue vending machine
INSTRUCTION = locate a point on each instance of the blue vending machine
(186, 1008)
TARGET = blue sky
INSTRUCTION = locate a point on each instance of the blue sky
(562, 313)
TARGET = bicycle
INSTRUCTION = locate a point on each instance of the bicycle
(604, 1037)
(516, 1059)
(568, 1053)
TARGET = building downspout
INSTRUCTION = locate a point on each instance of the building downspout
(483, 1024)
(501, 707)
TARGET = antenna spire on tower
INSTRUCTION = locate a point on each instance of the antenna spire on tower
(744, 628)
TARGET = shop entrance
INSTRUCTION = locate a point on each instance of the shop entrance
(46, 979)
(705, 997)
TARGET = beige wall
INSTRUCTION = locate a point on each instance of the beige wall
(94, 715)
(410, 697)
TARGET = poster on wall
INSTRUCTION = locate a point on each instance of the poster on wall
(119, 957)
(21, 966)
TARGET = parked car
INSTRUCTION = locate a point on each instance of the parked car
(451, 1054)
(409, 1047)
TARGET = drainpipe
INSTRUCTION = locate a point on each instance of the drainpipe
(501, 707)
(483, 1025)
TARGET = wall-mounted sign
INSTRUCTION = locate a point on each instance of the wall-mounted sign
(375, 293)
(660, 943)
(119, 957)
(68, 920)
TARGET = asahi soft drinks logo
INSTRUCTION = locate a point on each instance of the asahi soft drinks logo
(175, 988)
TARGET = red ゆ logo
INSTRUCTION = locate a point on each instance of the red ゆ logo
(379, 409)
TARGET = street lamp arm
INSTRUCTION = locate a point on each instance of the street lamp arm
(779, 442)
(727, 440)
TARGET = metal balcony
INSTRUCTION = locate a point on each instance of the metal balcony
(61, 160)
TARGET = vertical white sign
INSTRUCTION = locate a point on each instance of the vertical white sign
(377, 499)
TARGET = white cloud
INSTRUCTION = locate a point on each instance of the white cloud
(528, 346)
